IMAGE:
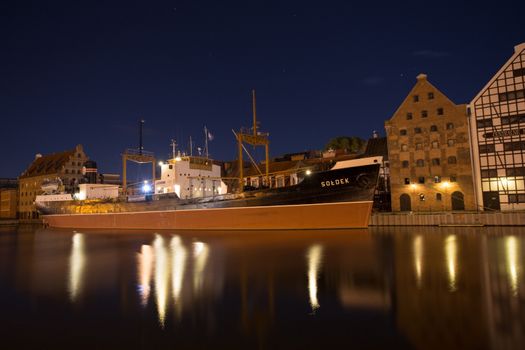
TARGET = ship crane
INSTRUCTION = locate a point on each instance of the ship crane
(139, 156)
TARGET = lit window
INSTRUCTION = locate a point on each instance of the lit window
(450, 126)
(435, 144)
(437, 179)
(451, 142)
(404, 147)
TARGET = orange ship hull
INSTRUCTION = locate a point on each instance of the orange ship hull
(301, 216)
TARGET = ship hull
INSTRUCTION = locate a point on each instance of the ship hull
(302, 216)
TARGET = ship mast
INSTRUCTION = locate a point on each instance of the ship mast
(255, 139)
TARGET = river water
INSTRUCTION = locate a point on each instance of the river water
(408, 288)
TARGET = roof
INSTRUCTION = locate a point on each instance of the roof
(48, 164)
(377, 147)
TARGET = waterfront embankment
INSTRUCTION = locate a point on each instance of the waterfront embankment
(516, 218)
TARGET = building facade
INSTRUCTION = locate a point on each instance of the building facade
(429, 152)
(8, 198)
(497, 124)
(66, 166)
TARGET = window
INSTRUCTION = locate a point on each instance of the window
(67, 171)
(514, 146)
(419, 146)
(453, 178)
(420, 163)
(416, 98)
(404, 147)
(421, 197)
(452, 160)
(450, 126)
(424, 114)
(489, 148)
(435, 144)
(417, 130)
(485, 173)
(402, 132)
(518, 72)
(79, 164)
(404, 164)
(440, 111)
(515, 171)
(451, 142)
(435, 161)
(409, 116)
(438, 196)
(79, 156)
(170, 166)
(437, 179)
(407, 181)
(487, 123)
(513, 119)
(430, 95)
(433, 128)
(512, 95)
(516, 198)
(421, 179)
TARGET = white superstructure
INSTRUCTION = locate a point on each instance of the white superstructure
(190, 177)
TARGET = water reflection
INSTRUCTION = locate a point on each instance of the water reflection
(77, 263)
(391, 287)
(145, 269)
(418, 259)
(314, 258)
(451, 256)
(513, 263)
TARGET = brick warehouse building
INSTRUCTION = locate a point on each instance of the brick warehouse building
(497, 124)
(429, 152)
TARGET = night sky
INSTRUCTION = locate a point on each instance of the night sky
(86, 71)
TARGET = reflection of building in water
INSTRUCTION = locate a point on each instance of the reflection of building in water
(438, 283)
(505, 290)
(179, 278)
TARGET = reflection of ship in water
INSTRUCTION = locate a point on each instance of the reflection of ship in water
(460, 291)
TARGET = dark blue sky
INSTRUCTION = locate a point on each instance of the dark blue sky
(86, 71)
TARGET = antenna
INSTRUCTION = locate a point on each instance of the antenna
(141, 146)
(173, 145)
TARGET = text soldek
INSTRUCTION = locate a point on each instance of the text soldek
(335, 182)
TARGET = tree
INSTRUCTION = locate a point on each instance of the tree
(351, 144)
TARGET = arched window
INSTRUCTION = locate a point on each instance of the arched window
(458, 202)
(404, 202)
(438, 196)
(452, 160)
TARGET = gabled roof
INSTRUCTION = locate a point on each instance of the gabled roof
(518, 49)
(48, 164)
(421, 83)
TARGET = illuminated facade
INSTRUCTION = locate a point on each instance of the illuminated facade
(429, 152)
(64, 165)
(498, 142)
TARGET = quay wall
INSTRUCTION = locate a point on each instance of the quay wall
(449, 218)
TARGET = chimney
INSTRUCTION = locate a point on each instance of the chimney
(421, 77)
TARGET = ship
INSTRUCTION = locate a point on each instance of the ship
(190, 196)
